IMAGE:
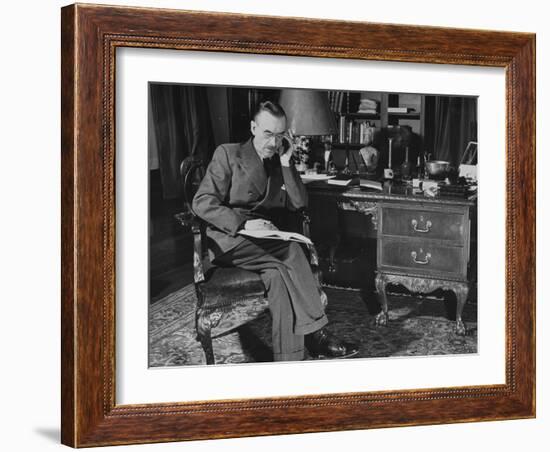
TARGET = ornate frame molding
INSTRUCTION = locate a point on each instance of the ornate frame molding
(90, 36)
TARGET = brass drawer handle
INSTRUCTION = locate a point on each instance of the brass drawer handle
(424, 262)
(414, 223)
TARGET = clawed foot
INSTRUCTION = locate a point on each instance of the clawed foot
(381, 318)
(460, 329)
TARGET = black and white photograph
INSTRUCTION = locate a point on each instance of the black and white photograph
(294, 224)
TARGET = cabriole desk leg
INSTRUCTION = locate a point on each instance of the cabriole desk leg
(461, 292)
(381, 282)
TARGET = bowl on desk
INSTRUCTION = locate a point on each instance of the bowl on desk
(437, 169)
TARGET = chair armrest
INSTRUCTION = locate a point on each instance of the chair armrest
(198, 268)
(185, 219)
(190, 221)
(306, 220)
(313, 256)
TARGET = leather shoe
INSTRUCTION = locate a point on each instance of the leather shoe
(323, 344)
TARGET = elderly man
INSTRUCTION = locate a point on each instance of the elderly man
(243, 186)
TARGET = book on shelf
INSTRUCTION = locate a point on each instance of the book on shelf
(342, 128)
(336, 99)
(400, 110)
(358, 131)
(366, 132)
(368, 105)
(340, 101)
(275, 235)
(332, 100)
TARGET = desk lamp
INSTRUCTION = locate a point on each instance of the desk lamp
(308, 113)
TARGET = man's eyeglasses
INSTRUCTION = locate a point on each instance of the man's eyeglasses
(268, 135)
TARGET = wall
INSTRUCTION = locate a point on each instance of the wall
(31, 209)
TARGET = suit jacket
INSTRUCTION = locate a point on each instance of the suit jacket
(236, 188)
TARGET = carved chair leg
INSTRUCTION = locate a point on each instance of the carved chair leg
(461, 292)
(203, 327)
(381, 282)
(204, 335)
(205, 338)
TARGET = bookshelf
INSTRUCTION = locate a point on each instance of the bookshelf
(346, 106)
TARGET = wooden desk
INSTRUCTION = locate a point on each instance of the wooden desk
(423, 243)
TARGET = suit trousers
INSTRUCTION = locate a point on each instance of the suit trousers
(292, 291)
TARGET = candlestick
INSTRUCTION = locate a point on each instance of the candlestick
(389, 152)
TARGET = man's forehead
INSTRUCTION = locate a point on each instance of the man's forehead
(270, 122)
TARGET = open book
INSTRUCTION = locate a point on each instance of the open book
(343, 180)
(367, 183)
(306, 178)
(276, 235)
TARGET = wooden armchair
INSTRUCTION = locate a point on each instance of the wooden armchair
(227, 298)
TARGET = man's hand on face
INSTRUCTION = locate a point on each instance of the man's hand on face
(260, 224)
(285, 157)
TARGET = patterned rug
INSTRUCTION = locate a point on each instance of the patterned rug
(417, 327)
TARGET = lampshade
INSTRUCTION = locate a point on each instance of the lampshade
(308, 112)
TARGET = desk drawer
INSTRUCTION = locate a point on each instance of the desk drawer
(426, 224)
(422, 257)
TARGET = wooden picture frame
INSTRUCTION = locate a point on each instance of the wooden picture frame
(90, 36)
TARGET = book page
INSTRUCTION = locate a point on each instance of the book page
(275, 235)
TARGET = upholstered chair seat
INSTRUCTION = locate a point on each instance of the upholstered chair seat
(231, 297)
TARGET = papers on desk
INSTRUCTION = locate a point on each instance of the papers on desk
(367, 183)
(307, 178)
(275, 235)
(343, 180)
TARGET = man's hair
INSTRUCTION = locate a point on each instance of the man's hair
(271, 107)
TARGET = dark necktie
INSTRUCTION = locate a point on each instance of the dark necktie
(267, 166)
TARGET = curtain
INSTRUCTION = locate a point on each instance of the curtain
(182, 128)
(455, 126)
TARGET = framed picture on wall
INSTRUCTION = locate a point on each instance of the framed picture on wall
(329, 227)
